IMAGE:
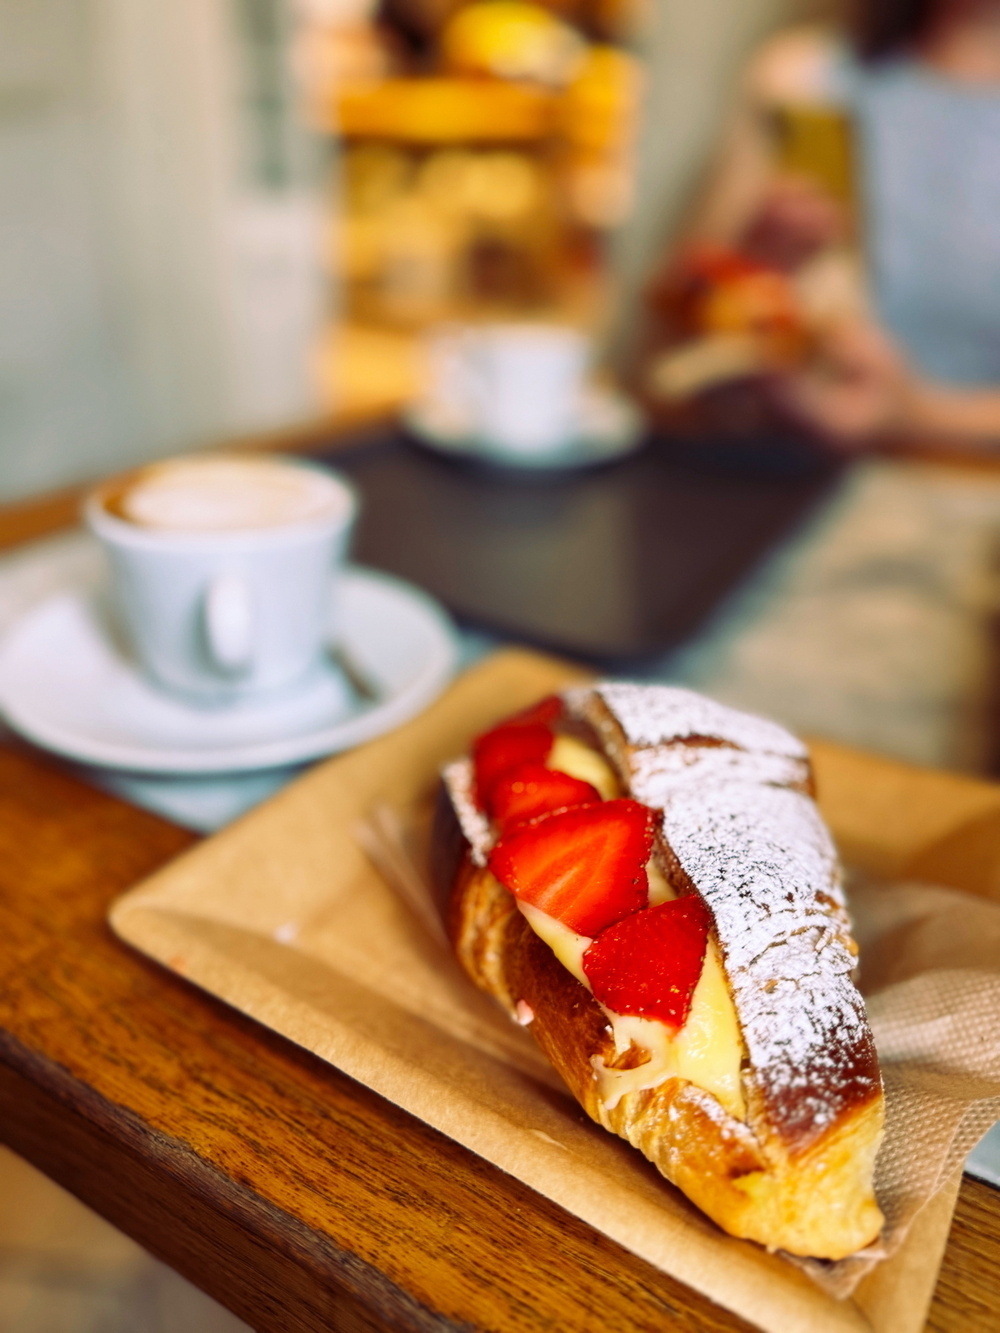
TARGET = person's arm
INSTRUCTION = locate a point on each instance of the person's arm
(858, 389)
(942, 411)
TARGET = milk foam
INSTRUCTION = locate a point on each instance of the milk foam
(227, 495)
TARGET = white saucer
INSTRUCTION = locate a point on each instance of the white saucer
(65, 685)
(610, 426)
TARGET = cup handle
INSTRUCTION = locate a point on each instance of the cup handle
(227, 617)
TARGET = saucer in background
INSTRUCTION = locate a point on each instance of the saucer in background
(66, 686)
(610, 427)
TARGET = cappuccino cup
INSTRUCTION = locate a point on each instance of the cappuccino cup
(224, 570)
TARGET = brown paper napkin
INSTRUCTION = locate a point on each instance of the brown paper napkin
(931, 978)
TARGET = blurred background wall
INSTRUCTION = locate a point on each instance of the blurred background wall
(159, 212)
(161, 215)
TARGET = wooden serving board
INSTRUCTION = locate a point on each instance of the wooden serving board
(282, 916)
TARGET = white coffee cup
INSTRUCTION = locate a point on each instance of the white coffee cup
(224, 570)
(516, 387)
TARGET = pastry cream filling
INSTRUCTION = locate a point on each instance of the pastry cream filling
(571, 756)
(566, 944)
(707, 1051)
(660, 890)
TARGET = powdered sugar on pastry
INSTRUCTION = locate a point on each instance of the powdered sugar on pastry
(655, 772)
(662, 737)
(762, 859)
(658, 714)
(459, 779)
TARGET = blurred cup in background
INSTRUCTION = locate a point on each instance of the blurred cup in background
(514, 387)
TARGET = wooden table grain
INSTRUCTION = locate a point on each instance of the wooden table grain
(296, 1197)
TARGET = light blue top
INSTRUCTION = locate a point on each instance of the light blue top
(930, 154)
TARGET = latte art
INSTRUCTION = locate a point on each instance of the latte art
(227, 495)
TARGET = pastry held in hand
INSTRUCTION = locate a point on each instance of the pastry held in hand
(671, 928)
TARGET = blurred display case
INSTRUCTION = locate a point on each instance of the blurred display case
(485, 155)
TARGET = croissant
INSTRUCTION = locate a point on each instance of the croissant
(641, 877)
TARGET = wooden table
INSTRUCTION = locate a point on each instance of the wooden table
(296, 1197)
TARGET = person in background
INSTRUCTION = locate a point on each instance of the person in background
(918, 82)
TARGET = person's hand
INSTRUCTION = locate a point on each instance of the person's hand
(796, 220)
(855, 389)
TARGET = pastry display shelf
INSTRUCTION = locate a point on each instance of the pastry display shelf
(440, 110)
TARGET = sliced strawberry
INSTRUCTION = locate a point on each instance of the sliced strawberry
(504, 748)
(521, 738)
(546, 712)
(532, 789)
(649, 964)
(585, 866)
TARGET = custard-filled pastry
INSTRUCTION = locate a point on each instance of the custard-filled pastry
(642, 878)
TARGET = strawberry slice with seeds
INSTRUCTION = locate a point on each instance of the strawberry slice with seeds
(585, 866)
(649, 964)
(532, 789)
(506, 747)
(521, 738)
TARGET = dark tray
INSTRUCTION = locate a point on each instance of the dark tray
(612, 565)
